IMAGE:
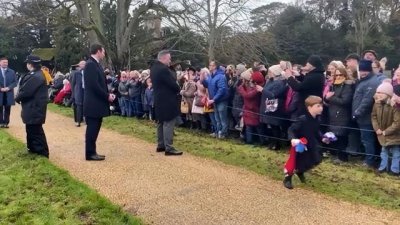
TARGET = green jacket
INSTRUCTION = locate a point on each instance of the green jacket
(386, 118)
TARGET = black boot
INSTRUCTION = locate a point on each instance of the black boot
(301, 177)
(287, 182)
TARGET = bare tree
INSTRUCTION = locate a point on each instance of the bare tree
(90, 19)
(207, 17)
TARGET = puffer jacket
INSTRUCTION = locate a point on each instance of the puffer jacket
(387, 118)
(363, 99)
(217, 86)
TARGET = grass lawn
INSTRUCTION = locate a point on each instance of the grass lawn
(350, 182)
(34, 191)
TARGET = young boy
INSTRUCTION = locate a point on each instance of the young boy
(305, 128)
(386, 123)
(149, 99)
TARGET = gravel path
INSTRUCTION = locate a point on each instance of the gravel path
(188, 189)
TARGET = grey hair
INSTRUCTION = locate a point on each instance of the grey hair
(162, 53)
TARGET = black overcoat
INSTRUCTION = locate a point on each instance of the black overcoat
(95, 101)
(307, 127)
(166, 91)
(33, 96)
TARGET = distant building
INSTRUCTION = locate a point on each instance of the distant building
(152, 23)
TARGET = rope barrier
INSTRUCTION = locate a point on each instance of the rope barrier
(288, 140)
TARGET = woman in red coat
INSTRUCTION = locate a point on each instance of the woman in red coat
(252, 99)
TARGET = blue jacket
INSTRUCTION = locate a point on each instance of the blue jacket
(217, 86)
(11, 82)
(363, 99)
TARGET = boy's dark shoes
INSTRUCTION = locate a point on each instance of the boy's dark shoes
(287, 182)
(301, 177)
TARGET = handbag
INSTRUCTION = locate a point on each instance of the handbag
(271, 105)
(184, 107)
(197, 109)
(199, 101)
(208, 108)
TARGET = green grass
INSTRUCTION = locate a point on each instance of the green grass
(33, 191)
(350, 182)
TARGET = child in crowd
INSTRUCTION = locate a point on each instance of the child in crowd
(123, 89)
(386, 123)
(149, 99)
(135, 95)
(305, 128)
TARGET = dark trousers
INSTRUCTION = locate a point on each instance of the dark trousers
(339, 147)
(5, 114)
(78, 113)
(165, 134)
(93, 126)
(36, 140)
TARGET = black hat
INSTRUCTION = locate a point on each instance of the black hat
(365, 65)
(33, 59)
(370, 51)
(353, 56)
(396, 89)
(315, 61)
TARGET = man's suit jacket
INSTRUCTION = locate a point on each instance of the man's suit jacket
(95, 103)
(11, 82)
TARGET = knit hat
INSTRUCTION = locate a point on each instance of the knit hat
(385, 88)
(276, 70)
(258, 78)
(315, 61)
(246, 75)
(365, 65)
(353, 56)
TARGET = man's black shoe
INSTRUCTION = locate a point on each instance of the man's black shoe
(173, 152)
(160, 150)
(95, 158)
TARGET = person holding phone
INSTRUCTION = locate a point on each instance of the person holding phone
(312, 84)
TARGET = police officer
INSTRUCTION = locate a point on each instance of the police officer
(32, 95)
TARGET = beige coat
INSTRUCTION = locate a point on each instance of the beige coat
(386, 118)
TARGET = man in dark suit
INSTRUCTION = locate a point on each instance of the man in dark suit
(166, 104)
(78, 93)
(96, 100)
(8, 81)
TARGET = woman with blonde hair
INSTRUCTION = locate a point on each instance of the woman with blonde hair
(339, 100)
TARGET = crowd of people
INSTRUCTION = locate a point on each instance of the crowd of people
(360, 103)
